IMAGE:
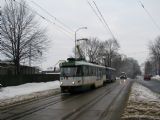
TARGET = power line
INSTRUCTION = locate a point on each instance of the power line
(152, 19)
(104, 19)
(95, 12)
(61, 29)
(70, 30)
(100, 17)
(67, 28)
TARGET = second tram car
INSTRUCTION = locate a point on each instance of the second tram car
(81, 75)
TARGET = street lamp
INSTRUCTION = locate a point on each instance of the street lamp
(76, 38)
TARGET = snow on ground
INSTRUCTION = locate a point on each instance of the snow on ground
(157, 77)
(27, 91)
(143, 104)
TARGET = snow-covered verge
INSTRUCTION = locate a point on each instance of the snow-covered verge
(157, 77)
(29, 91)
(143, 104)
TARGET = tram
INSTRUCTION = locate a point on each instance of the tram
(77, 75)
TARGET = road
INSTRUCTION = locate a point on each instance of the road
(153, 85)
(104, 103)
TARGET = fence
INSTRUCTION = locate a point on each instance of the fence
(13, 80)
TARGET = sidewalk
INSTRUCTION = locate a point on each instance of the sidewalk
(143, 104)
(14, 95)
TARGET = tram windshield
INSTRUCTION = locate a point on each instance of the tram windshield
(71, 71)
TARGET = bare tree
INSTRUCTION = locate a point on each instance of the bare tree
(117, 63)
(93, 50)
(90, 49)
(131, 67)
(100, 52)
(110, 49)
(148, 68)
(154, 48)
(22, 36)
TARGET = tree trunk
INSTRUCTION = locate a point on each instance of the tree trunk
(17, 67)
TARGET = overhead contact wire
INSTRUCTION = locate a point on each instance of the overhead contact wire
(62, 29)
(154, 22)
(95, 12)
(104, 20)
(65, 26)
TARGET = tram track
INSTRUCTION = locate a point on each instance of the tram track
(32, 107)
(9, 108)
(79, 108)
(78, 111)
(28, 101)
(106, 115)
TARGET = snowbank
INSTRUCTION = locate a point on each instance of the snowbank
(13, 94)
(157, 77)
(143, 104)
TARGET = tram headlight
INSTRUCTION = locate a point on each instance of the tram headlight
(61, 83)
(73, 83)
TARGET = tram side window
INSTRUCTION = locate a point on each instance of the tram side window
(101, 72)
(95, 71)
(98, 73)
(86, 70)
(104, 72)
(91, 70)
(79, 71)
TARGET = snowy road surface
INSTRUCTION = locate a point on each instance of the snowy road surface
(157, 77)
(13, 91)
(106, 103)
(154, 85)
(12, 94)
(143, 104)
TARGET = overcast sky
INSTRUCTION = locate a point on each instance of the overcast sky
(128, 21)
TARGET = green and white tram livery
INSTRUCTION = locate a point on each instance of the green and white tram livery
(80, 75)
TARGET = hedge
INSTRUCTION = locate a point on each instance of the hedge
(13, 80)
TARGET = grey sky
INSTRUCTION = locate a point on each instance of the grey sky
(127, 19)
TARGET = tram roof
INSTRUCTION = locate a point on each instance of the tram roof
(78, 63)
(89, 64)
(110, 68)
